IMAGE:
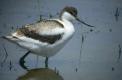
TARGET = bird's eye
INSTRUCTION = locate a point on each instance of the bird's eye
(73, 12)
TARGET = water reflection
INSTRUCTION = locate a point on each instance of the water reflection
(41, 74)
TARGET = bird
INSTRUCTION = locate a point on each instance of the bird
(48, 36)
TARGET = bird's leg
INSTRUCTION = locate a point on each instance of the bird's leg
(21, 61)
(46, 62)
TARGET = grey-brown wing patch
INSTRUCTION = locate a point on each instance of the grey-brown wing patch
(34, 30)
(43, 38)
(45, 25)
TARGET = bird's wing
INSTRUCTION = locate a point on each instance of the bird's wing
(48, 31)
(47, 27)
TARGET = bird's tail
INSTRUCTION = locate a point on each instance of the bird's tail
(10, 38)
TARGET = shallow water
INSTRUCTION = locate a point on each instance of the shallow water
(92, 54)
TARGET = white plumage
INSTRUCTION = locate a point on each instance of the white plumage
(49, 27)
(47, 37)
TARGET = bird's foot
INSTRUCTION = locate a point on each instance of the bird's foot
(22, 64)
(22, 61)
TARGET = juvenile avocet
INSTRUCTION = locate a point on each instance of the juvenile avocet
(47, 37)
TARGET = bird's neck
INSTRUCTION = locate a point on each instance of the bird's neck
(66, 16)
(68, 25)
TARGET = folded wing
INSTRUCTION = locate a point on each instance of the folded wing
(48, 31)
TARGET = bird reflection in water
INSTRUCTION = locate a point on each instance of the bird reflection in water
(38, 73)
(41, 74)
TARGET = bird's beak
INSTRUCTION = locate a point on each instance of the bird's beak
(83, 22)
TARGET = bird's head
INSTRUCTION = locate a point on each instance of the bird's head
(70, 13)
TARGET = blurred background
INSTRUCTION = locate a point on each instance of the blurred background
(92, 54)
